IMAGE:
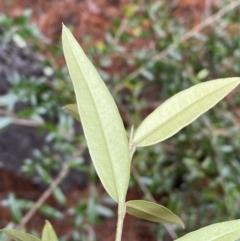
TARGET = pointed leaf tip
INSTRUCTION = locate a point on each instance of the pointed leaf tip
(72, 109)
(152, 212)
(48, 233)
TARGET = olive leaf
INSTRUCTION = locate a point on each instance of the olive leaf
(152, 212)
(182, 109)
(19, 235)
(48, 233)
(225, 231)
(73, 111)
(101, 121)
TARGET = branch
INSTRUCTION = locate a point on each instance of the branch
(120, 31)
(63, 173)
(44, 196)
(208, 21)
(20, 121)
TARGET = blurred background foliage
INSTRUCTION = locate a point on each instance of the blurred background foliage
(196, 173)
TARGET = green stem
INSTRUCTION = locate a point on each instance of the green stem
(122, 204)
(121, 215)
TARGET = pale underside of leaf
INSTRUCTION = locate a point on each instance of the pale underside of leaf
(19, 235)
(152, 212)
(182, 109)
(101, 121)
(225, 231)
(48, 233)
(73, 111)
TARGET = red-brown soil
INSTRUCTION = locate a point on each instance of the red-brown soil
(88, 16)
(134, 229)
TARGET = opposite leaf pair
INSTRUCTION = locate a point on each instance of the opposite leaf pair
(105, 134)
(110, 150)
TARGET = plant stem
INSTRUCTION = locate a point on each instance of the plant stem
(121, 215)
(122, 204)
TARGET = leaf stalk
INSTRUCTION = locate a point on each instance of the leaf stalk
(121, 216)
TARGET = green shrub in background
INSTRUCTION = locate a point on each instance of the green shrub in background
(112, 151)
(200, 175)
(200, 166)
(199, 162)
(40, 94)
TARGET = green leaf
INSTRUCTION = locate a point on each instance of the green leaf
(51, 212)
(182, 109)
(73, 111)
(152, 212)
(19, 235)
(48, 233)
(57, 193)
(101, 121)
(60, 197)
(225, 231)
(15, 208)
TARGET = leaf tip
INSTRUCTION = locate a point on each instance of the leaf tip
(182, 224)
(64, 29)
(63, 25)
(47, 222)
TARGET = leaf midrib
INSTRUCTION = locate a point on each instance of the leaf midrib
(155, 216)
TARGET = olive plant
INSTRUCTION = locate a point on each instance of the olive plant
(111, 150)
